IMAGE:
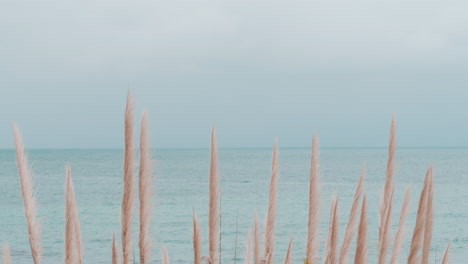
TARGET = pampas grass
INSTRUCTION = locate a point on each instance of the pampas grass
(385, 211)
(145, 183)
(29, 197)
(196, 238)
(361, 244)
(128, 190)
(429, 221)
(6, 259)
(384, 243)
(445, 257)
(421, 237)
(332, 240)
(256, 240)
(213, 215)
(287, 259)
(165, 255)
(401, 228)
(350, 227)
(115, 251)
(314, 205)
(419, 226)
(72, 240)
(271, 212)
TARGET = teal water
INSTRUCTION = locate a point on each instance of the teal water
(181, 185)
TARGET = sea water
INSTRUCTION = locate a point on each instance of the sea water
(181, 187)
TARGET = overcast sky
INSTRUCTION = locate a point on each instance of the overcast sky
(256, 68)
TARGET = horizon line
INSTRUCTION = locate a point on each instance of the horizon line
(234, 148)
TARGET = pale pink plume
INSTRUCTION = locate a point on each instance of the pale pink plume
(429, 221)
(128, 190)
(197, 243)
(145, 187)
(384, 226)
(287, 259)
(332, 240)
(445, 258)
(165, 255)
(314, 205)
(248, 248)
(419, 226)
(72, 240)
(6, 259)
(269, 239)
(213, 215)
(256, 240)
(350, 227)
(29, 197)
(401, 228)
(384, 243)
(361, 244)
(115, 251)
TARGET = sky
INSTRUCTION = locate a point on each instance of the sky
(257, 69)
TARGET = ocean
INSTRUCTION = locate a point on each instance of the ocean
(181, 187)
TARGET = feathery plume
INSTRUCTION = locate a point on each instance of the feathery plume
(314, 204)
(6, 255)
(270, 219)
(165, 255)
(145, 183)
(384, 226)
(213, 215)
(128, 190)
(350, 227)
(256, 243)
(445, 258)
(361, 245)
(401, 228)
(429, 221)
(196, 237)
(73, 248)
(115, 252)
(332, 241)
(287, 259)
(248, 248)
(29, 197)
(383, 245)
(419, 226)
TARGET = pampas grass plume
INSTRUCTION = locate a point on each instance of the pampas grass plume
(128, 190)
(350, 227)
(401, 228)
(314, 204)
(196, 238)
(145, 183)
(29, 198)
(419, 226)
(271, 212)
(287, 259)
(115, 251)
(385, 211)
(6, 259)
(361, 244)
(332, 240)
(165, 255)
(72, 241)
(445, 258)
(213, 215)
(429, 222)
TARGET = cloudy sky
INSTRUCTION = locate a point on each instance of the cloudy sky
(256, 68)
